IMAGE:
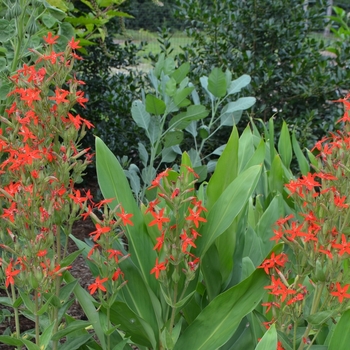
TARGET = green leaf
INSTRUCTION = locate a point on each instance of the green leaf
(180, 98)
(72, 327)
(140, 115)
(46, 336)
(217, 82)
(285, 146)
(269, 340)
(238, 84)
(76, 342)
(48, 20)
(226, 170)
(275, 178)
(6, 339)
(302, 161)
(182, 120)
(319, 318)
(154, 131)
(228, 206)
(7, 30)
(242, 103)
(154, 105)
(180, 73)
(340, 339)
(218, 321)
(86, 302)
(173, 138)
(114, 184)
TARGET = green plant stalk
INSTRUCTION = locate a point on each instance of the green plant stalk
(37, 324)
(15, 309)
(314, 307)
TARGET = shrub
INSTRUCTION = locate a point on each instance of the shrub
(271, 41)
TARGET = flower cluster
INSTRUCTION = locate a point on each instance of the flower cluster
(41, 160)
(318, 241)
(176, 214)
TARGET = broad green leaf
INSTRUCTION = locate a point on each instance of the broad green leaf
(113, 184)
(246, 148)
(230, 119)
(340, 339)
(154, 105)
(153, 131)
(180, 98)
(182, 120)
(143, 153)
(242, 103)
(170, 87)
(313, 160)
(238, 84)
(72, 327)
(168, 155)
(133, 326)
(269, 340)
(302, 161)
(228, 206)
(173, 138)
(217, 82)
(204, 82)
(218, 321)
(275, 178)
(140, 115)
(285, 146)
(226, 169)
(180, 73)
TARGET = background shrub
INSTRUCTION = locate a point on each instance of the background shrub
(274, 42)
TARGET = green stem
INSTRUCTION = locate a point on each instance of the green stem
(37, 330)
(314, 308)
(173, 310)
(15, 309)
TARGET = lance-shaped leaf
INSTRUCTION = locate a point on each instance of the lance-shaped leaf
(340, 339)
(228, 206)
(114, 184)
(269, 340)
(217, 82)
(140, 115)
(285, 146)
(218, 321)
(182, 120)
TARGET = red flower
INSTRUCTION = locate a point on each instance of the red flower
(10, 273)
(100, 230)
(158, 219)
(125, 217)
(98, 285)
(74, 44)
(60, 97)
(51, 39)
(114, 254)
(194, 217)
(158, 268)
(344, 246)
(275, 260)
(186, 241)
(341, 293)
(117, 274)
(160, 242)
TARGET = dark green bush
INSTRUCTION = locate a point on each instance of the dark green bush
(273, 41)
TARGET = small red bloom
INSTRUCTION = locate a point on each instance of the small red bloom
(158, 219)
(100, 230)
(117, 274)
(114, 254)
(125, 217)
(49, 39)
(158, 268)
(186, 241)
(10, 273)
(341, 292)
(160, 242)
(194, 217)
(98, 285)
(74, 44)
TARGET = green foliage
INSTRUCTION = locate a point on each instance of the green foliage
(270, 41)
